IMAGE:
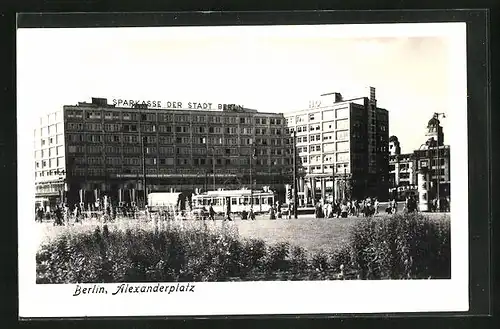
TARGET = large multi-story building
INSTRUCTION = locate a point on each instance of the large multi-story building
(404, 168)
(342, 146)
(402, 174)
(90, 149)
(432, 163)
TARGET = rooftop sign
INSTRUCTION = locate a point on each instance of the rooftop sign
(155, 104)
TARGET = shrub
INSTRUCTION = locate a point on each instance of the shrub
(404, 246)
(397, 247)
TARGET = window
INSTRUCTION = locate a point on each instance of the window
(343, 157)
(342, 113)
(342, 124)
(341, 135)
(342, 146)
(314, 148)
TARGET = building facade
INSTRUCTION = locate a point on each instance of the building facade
(90, 149)
(342, 147)
(430, 162)
(402, 171)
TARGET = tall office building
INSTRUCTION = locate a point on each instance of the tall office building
(90, 149)
(342, 146)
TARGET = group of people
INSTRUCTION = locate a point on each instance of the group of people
(63, 213)
(440, 205)
(344, 208)
(366, 208)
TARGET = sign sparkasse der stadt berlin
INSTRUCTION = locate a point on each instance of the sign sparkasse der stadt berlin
(156, 104)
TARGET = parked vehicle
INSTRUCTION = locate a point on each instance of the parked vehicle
(238, 200)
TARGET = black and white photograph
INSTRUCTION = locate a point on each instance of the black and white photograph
(229, 170)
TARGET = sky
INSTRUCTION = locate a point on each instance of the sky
(270, 69)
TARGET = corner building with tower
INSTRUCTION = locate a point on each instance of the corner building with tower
(342, 148)
(424, 172)
(88, 150)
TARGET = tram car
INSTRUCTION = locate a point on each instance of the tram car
(238, 200)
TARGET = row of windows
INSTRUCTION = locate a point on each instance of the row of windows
(49, 152)
(47, 173)
(325, 115)
(50, 163)
(339, 157)
(168, 150)
(51, 140)
(49, 130)
(330, 147)
(179, 161)
(339, 168)
(51, 118)
(162, 117)
(168, 129)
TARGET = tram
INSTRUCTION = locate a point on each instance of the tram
(238, 200)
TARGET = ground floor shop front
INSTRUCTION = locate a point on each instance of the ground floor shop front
(130, 190)
(317, 187)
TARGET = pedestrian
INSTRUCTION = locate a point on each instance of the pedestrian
(58, 216)
(40, 214)
(344, 210)
(329, 210)
(251, 214)
(66, 214)
(316, 210)
(211, 212)
(108, 211)
(227, 215)
(394, 206)
(377, 204)
(339, 208)
(325, 209)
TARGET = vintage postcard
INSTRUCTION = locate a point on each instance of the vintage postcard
(242, 170)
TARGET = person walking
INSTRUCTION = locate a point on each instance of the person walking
(325, 209)
(344, 209)
(211, 212)
(227, 215)
(40, 214)
(251, 214)
(58, 216)
(394, 206)
(377, 204)
(329, 210)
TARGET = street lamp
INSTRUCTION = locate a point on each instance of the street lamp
(295, 195)
(252, 157)
(344, 186)
(213, 161)
(144, 140)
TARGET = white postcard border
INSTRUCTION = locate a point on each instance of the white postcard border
(240, 298)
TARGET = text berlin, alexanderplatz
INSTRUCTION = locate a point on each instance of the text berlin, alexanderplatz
(173, 105)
